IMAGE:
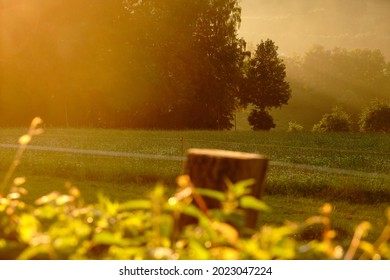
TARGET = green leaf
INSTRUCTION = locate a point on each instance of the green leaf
(46, 211)
(158, 191)
(242, 188)
(367, 247)
(35, 251)
(28, 227)
(194, 211)
(127, 253)
(66, 242)
(136, 205)
(111, 208)
(197, 251)
(108, 238)
(220, 196)
(250, 202)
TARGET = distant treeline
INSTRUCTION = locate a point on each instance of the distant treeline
(322, 79)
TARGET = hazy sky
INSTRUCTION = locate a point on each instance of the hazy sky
(296, 25)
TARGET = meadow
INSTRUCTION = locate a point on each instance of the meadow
(349, 170)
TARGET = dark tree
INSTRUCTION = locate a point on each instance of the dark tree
(216, 58)
(121, 63)
(265, 86)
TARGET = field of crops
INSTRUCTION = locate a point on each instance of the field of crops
(351, 171)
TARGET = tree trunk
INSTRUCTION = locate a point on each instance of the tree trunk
(210, 168)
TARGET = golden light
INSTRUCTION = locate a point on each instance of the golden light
(18, 20)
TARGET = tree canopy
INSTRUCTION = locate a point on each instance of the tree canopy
(264, 85)
(147, 64)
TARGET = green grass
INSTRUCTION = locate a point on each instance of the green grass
(293, 193)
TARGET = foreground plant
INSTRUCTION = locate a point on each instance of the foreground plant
(35, 129)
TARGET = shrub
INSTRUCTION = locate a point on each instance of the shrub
(261, 120)
(337, 121)
(375, 118)
(294, 127)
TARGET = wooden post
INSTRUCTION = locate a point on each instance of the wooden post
(210, 168)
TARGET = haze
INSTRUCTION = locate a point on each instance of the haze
(297, 25)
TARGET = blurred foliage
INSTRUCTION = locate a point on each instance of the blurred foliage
(63, 226)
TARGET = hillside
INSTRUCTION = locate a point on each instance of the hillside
(296, 25)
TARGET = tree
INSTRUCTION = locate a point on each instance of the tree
(264, 85)
(375, 118)
(217, 59)
(337, 121)
(184, 64)
(122, 63)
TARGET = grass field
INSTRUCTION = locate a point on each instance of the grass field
(294, 191)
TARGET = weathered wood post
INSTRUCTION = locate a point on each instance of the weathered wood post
(210, 168)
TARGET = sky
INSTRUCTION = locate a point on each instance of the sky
(296, 25)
